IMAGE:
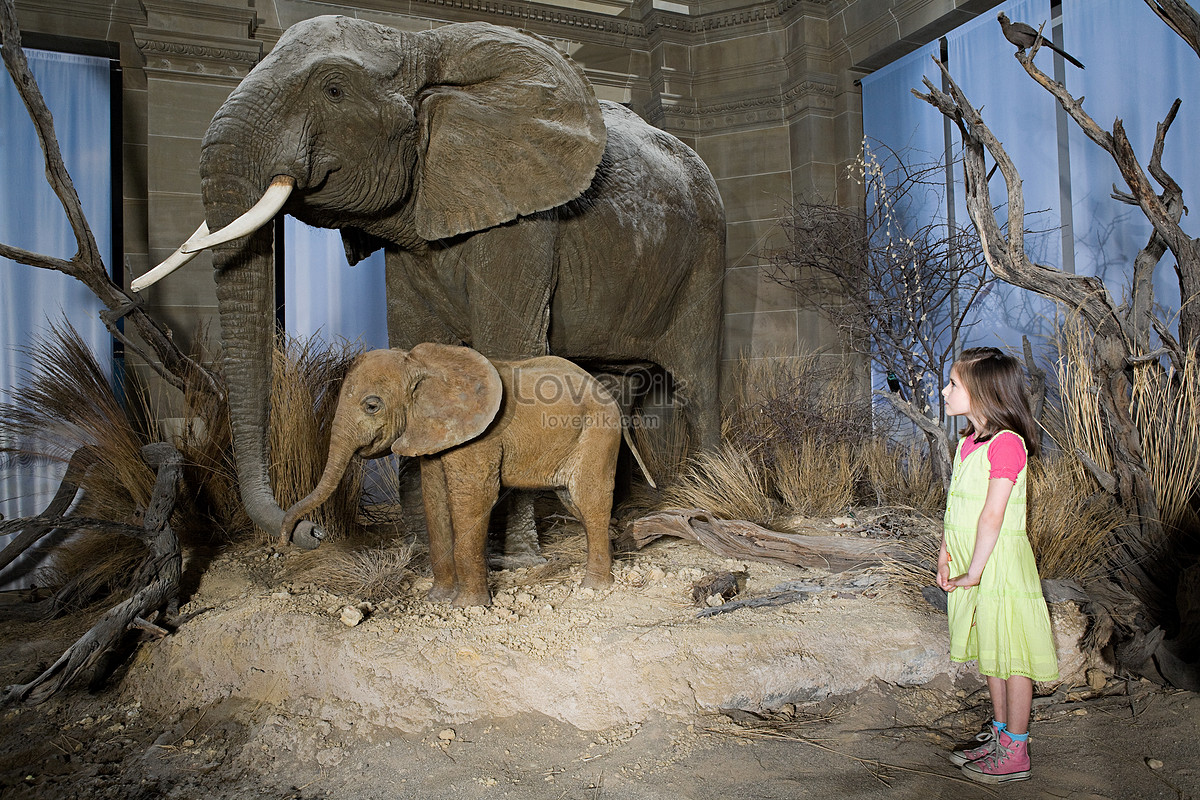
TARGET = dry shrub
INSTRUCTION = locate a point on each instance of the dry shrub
(373, 574)
(65, 405)
(816, 479)
(68, 404)
(901, 476)
(1071, 523)
(305, 384)
(1078, 425)
(730, 484)
(1166, 407)
(788, 400)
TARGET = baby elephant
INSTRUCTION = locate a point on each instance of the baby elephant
(542, 423)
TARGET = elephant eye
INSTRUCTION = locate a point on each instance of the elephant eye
(372, 404)
(334, 92)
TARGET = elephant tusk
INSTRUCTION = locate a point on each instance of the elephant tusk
(171, 263)
(262, 213)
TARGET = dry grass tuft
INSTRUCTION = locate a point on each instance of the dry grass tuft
(1166, 407)
(373, 573)
(306, 380)
(1081, 426)
(730, 484)
(68, 404)
(814, 478)
(901, 476)
(1071, 523)
(798, 441)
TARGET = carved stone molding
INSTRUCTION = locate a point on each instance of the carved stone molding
(748, 112)
(167, 51)
(530, 12)
(520, 12)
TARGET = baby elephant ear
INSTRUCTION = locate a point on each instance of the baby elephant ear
(508, 127)
(456, 396)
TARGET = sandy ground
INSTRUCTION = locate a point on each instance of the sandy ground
(167, 725)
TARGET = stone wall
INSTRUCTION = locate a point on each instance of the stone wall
(764, 91)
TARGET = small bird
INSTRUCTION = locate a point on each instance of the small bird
(1023, 36)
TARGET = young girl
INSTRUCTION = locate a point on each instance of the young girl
(997, 613)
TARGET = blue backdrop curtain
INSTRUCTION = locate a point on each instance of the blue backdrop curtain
(1022, 115)
(899, 127)
(1136, 67)
(324, 296)
(77, 91)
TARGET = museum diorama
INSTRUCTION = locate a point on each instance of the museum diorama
(580, 398)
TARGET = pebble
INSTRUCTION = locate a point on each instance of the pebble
(280, 595)
(714, 600)
(351, 616)
(447, 735)
(1154, 763)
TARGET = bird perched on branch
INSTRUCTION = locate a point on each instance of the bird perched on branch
(1023, 36)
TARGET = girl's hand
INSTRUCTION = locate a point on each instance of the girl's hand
(964, 580)
(943, 578)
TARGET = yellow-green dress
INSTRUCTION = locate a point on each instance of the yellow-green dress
(1003, 622)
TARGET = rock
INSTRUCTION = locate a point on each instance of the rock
(843, 522)
(1154, 763)
(447, 735)
(714, 600)
(351, 616)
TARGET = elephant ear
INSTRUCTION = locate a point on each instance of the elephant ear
(509, 127)
(456, 395)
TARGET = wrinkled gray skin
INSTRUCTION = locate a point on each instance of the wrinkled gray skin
(518, 215)
(478, 425)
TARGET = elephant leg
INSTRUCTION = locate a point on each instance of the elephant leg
(516, 545)
(589, 496)
(472, 496)
(439, 524)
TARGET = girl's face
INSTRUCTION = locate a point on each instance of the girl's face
(958, 402)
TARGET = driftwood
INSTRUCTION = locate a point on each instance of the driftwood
(32, 529)
(741, 539)
(157, 579)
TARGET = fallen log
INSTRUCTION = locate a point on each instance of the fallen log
(31, 529)
(157, 576)
(741, 539)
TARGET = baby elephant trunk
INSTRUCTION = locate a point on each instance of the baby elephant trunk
(335, 468)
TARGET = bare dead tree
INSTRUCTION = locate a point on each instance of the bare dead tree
(156, 582)
(1122, 333)
(87, 265)
(900, 288)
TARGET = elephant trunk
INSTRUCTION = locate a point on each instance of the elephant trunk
(341, 450)
(244, 273)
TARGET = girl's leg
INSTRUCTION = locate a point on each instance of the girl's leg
(1018, 693)
(998, 689)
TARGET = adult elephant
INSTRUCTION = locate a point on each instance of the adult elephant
(518, 214)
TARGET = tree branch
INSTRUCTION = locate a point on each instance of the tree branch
(87, 265)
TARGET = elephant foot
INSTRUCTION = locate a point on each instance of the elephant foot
(465, 599)
(597, 581)
(440, 594)
(307, 536)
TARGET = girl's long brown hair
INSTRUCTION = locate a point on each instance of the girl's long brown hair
(995, 383)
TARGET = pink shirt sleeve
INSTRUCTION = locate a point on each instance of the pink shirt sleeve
(1006, 453)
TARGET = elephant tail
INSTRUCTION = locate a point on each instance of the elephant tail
(636, 455)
